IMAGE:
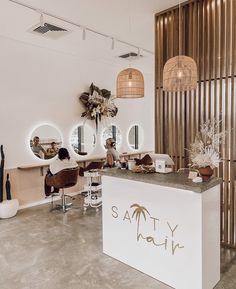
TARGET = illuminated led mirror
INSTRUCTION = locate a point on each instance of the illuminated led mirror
(83, 140)
(114, 132)
(135, 137)
(45, 142)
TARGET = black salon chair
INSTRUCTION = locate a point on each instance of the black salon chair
(91, 166)
(64, 179)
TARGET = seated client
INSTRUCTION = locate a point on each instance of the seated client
(36, 147)
(112, 154)
(61, 163)
(53, 150)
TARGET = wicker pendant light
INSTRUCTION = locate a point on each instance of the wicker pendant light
(180, 72)
(130, 84)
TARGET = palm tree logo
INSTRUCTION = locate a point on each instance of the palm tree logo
(139, 210)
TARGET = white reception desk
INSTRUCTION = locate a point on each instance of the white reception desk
(163, 225)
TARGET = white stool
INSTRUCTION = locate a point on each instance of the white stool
(8, 208)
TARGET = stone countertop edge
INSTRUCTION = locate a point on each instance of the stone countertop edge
(173, 180)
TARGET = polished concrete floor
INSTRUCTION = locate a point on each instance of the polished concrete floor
(50, 250)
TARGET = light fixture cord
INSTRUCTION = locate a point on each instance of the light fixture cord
(180, 44)
(130, 30)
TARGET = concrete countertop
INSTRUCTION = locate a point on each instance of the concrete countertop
(173, 180)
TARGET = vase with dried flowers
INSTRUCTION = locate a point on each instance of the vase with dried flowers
(204, 151)
(98, 103)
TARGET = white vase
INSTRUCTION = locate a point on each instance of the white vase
(131, 164)
(8, 208)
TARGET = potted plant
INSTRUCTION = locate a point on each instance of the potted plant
(204, 151)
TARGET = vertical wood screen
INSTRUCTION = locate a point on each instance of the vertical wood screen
(209, 36)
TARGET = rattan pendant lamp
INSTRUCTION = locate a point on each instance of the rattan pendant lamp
(130, 81)
(130, 84)
(180, 72)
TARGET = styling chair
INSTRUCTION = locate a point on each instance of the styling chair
(64, 179)
(91, 166)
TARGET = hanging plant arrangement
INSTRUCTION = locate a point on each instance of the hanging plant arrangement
(98, 103)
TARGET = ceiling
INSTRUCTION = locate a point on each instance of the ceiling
(128, 20)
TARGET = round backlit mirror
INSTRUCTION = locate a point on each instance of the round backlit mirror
(112, 131)
(83, 140)
(135, 137)
(45, 142)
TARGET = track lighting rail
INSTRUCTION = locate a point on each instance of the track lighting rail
(82, 27)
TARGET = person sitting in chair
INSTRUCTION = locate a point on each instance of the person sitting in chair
(37, 149)
(61, 163)
(112, 154)
(52, 151)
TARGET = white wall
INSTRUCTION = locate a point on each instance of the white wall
(46, 132)
(42, 86)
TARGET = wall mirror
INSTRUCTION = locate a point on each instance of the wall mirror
(114, 132)
(135, 137)
(45, 142)
(83, 139)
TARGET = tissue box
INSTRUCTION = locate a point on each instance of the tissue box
(160, 166)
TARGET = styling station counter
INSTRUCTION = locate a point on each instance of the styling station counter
(165, 226)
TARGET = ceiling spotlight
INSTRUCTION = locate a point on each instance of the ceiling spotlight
(112, 44)
(84, 34)
(41, 22)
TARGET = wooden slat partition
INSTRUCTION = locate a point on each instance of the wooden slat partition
(208, 35)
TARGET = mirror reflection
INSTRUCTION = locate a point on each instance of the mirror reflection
(83, 140)
(113, 132)
(45, 142)
(135, 137)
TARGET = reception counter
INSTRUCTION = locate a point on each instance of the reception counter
(166, 226)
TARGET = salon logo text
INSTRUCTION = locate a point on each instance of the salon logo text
(143, 219)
